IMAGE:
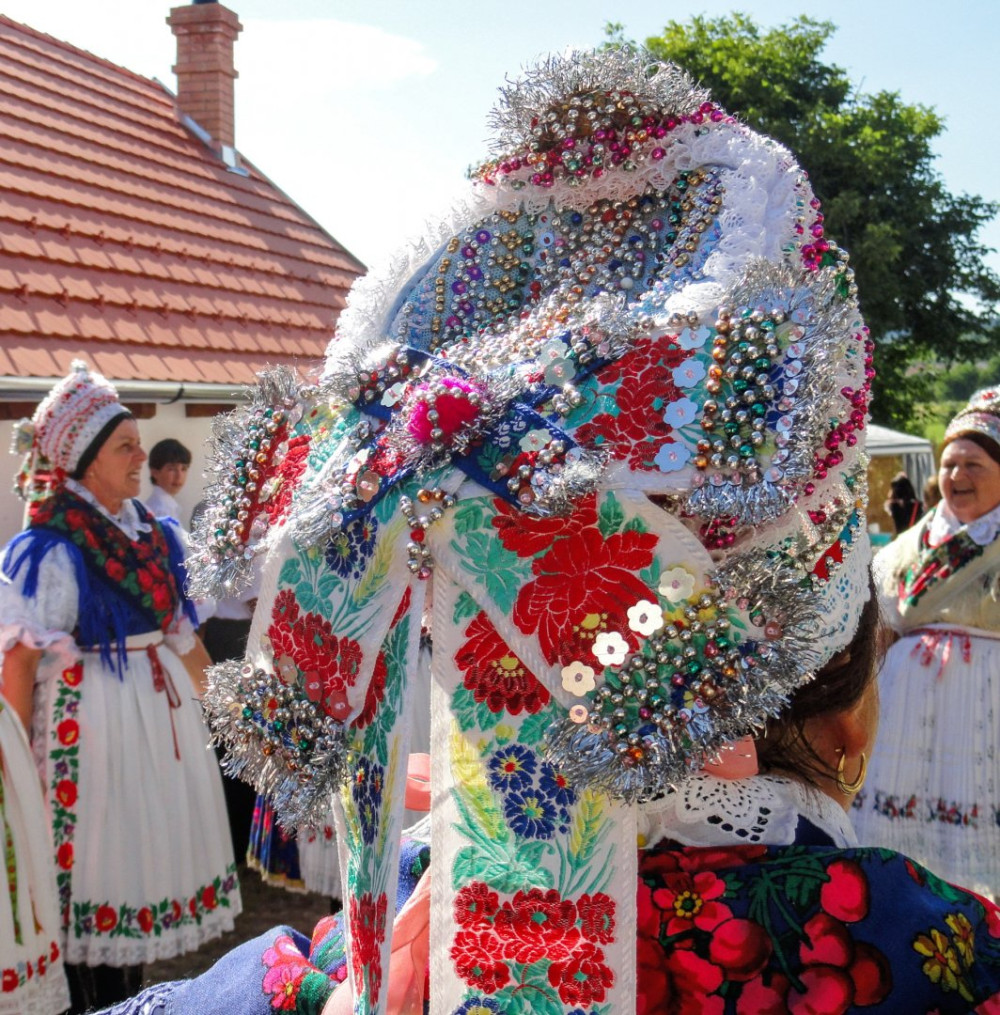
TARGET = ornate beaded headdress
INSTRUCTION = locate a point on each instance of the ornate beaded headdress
(617, 403)
(63, 427)
(981, 416)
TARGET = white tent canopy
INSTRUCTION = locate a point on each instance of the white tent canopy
(916, 452)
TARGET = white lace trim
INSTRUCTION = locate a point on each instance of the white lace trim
(127, 519)
(982, 530)
(763, 810)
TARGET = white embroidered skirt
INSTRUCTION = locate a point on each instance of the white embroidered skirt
(933, 786)
(32, 980)
(144, 860)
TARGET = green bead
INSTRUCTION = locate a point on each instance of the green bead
(740, 385)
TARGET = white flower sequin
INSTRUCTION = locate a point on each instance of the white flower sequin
(645, 617)
(578, 678)
(610, 648)
(535, 440)
(694, 338)
(393, 394)
(681, 412)
(689, 373)
(672, 457)
(676, 584)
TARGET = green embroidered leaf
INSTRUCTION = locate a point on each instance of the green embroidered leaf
(538, 995)
(635, 524)
(314, 991)
(471, 515)
(611, 517)
(463, 704)
(533, 727)
(513, 876)
(465, 608)
(650, 576)
(475, 795)
(499, 571)
(467, 866)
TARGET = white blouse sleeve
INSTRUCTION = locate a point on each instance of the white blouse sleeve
(46, 619)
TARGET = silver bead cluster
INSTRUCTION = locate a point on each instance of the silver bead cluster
(418, 554)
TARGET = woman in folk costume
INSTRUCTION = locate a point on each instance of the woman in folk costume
(101, 663)
(934, 784)
(616, 406)
(32, 978)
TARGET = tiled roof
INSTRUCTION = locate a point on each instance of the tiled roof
(125, 238)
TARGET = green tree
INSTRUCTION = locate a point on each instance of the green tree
(926, 292)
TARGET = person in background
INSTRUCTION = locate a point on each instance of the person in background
(934, 781)
(169, 461)
(902, 504)
(931, 493)
(32, 976)
(101, 664)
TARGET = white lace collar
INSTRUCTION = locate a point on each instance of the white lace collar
(127, 519)
(763, 810)
(982, 530)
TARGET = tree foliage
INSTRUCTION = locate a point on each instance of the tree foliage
(926, 291)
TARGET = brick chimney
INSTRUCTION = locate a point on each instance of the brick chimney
(205, 33)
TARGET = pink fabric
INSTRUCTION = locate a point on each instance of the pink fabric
(418, 782)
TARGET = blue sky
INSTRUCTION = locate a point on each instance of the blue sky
(367, 113)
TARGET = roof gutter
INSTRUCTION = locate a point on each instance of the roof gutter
(161, 392)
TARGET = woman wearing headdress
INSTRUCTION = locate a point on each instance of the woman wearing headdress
(102, 666)
(934, 783)
(616, 405)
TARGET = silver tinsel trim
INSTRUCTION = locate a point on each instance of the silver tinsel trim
(233, 527)
(655, 751)
(563, 90)
(277, 740)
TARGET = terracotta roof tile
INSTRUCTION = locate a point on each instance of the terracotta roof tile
(125, 238)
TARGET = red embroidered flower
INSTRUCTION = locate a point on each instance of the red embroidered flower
(597, 917)
(115, 570)
(66, 792)
(474, 954)
(289, 472)
(10, 980)
(367, 926)
(64, 856)
(285, 610)
(636, 431)
(105, 919)
(375, 693)
(689, 900)
(73, 676)
(68, 732)
(75, 519)
(580, 578)
(163, 597)
(537, 924)
(193, 906)
(176, 910)
(527, 535)
(494, 674)
(145, 919)
(582, 978)
(208, 898)
(475, 905)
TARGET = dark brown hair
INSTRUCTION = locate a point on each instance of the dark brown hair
(837, 687)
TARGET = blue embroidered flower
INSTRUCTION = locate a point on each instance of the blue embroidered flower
(512, 767)
(349, 551)
(478, 1005)
(556, 785)
(530, 814)
(366, 791)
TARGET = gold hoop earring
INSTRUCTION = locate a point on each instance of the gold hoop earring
(850, 788)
